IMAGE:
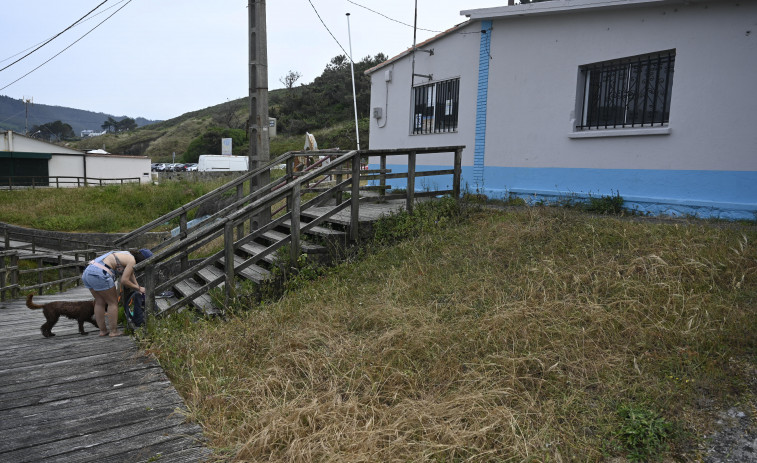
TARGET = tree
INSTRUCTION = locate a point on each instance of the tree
(110, 124)
(290, 79)
(210, 143)
(126, 124)
(53, 131)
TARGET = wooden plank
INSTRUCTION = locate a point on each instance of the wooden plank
(80, 398)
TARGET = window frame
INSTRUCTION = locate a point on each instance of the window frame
(432, 112)
(645, 84)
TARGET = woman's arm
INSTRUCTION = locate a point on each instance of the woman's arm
(128, 278)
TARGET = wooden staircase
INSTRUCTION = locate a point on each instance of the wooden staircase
(312, 219)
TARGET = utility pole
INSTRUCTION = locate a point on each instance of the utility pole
(27, 102)
(258, 126)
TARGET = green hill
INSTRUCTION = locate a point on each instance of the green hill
(13, 116)
(323, 107)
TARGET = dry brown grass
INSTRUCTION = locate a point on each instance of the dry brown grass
(515, 336)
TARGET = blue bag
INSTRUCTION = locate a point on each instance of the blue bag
(134, 309)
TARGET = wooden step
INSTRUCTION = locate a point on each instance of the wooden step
(210, 273)
(163, 303)
(308, 248)
(323, 232)
(202, 302)
(254, 249)
(253, 273)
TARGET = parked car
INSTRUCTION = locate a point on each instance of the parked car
(192, 167)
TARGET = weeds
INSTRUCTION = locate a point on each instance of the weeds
(643, 433)
(484, 336)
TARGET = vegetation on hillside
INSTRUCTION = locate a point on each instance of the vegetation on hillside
(531, 334)
(323, 107)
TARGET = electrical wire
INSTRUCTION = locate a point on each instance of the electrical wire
(55, 36)
(77, 24)
(391, 19)
(72, 44)
(329, 31)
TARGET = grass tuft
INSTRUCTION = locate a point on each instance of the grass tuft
(533, 334)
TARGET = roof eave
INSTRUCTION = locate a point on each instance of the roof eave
(553, 7)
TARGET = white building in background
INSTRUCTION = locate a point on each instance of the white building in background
(653, 100)
(23, 158)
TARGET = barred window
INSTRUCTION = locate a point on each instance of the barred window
(435, 107)
(629, 92)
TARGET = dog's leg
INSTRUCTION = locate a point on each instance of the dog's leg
(81, 327)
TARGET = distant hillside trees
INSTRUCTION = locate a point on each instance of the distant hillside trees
(325, 102)
(210, 143)
(112, 125)
(53, 131)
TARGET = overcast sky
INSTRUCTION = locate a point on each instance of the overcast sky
(159, 59)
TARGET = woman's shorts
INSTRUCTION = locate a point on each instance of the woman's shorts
(97, 279)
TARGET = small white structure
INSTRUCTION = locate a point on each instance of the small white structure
(24, 159)
(649, 99)
(220, 163)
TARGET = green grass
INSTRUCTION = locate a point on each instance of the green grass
(533, 334)
(107, 209)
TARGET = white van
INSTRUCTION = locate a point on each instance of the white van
(217, 163)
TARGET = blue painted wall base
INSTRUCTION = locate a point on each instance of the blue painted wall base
(704, 194)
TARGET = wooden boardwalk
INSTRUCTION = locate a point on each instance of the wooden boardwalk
(73, 398)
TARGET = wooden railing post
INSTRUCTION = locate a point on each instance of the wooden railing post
(228, 243)
(240, 195)
(14, 275)
(355, 198)
(410, 181)
(150, 308)
(382, 182)
(60, 272)
(40, 267)
(3, 273)
(183, 232)
(7, 239)
(294, 228)
(457, 176)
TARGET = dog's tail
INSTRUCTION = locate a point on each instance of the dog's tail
(31, 304)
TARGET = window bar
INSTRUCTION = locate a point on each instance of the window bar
(627, 92)
(637, 73)
(605, 81)
(667, 88)
(438, 110)
(646, 92)
(455, 104)
(618, 112)
(656, 90)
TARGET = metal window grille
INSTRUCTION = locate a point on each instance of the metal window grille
(630, 92)
(435, 107)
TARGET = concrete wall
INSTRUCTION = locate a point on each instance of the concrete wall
(101, 166)
(703, 163)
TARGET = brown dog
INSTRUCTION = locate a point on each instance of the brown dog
(81, 311)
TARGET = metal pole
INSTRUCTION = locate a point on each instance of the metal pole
(258, 125)
(354, 97)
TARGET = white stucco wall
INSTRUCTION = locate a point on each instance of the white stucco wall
(11, 141)
(535, 73)
(702, 163)
(455, 56)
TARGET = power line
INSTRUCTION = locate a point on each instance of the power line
(327, 29)
(391, 19)
(74, 43)
(55, 36)
(77, 24)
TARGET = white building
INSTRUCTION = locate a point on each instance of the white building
(650, 99)
(24, 159)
